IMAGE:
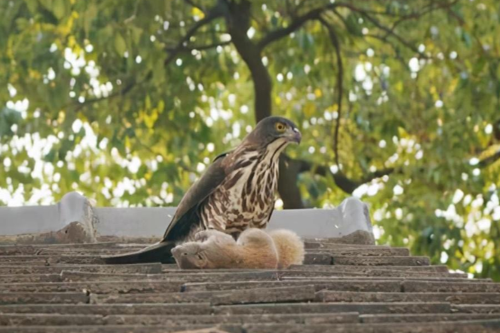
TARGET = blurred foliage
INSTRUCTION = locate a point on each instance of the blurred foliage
(128, 101)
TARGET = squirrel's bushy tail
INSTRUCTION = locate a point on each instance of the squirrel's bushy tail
(289, 246)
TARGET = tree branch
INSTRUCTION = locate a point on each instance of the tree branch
(349, 185)
(391, 32)
(377, 174)
(342, 181)
(287, 183)
(213, 14)
(427, 9)
(489, 160)
(294, 25)
(315, 14)
(238, 22)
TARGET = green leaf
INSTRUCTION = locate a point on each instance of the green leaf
(352, 24)
(120, 44)
(136, 34)
(59, 8)
(89, 16)
(32, 5)
(466, 39)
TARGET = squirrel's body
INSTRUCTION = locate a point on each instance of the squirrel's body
(253, 249)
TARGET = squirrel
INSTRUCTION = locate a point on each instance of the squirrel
(253, 249)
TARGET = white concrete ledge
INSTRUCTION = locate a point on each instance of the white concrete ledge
(73, 207)
(350, 216)
(133, 222)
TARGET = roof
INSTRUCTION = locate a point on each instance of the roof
(341, 287)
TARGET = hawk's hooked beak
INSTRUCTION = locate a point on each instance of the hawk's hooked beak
(293, 135)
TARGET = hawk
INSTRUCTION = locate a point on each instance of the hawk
(235, 193)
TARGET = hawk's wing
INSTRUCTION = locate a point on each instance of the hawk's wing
(185, 218)
(186, 215)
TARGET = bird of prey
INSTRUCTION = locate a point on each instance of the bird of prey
(236, 192)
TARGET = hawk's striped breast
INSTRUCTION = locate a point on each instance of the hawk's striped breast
(246, 197)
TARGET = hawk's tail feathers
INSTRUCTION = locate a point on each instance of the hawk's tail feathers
(159, 252)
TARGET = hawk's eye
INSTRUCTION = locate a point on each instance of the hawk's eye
(280, 127)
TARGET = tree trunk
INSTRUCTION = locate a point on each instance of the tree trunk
(238, 22)
(287, 183)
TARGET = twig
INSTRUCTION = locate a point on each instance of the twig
(315, 13)
(199, 47)
(428, 9)
(400, 39)
(489, 160)
(134, 15)
(78, 106)
(390, 31)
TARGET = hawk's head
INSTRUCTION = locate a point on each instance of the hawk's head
(271, 129)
